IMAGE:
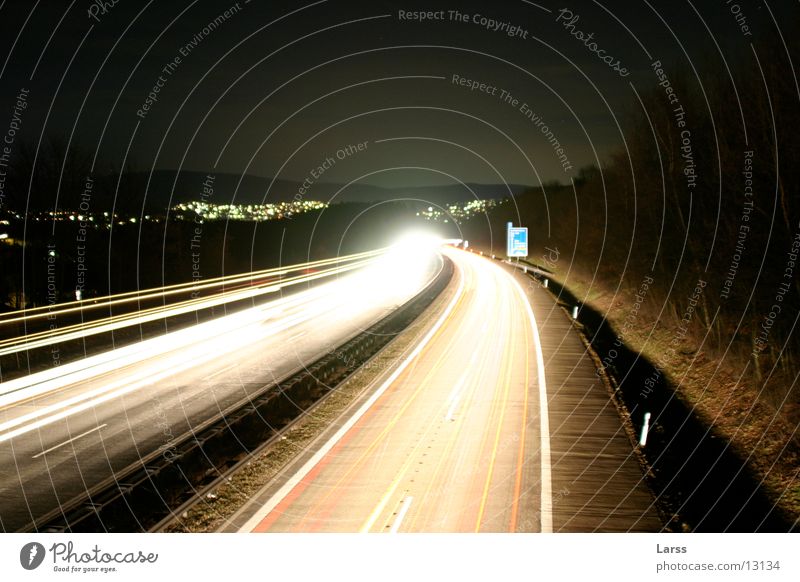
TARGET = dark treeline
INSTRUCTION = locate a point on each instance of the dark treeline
(703, 193)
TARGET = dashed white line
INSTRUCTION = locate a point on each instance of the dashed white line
(73, 439)
(406, 504)
(455, 398)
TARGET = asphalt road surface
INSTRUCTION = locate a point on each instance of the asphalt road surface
(454, 443)
(64, 430)
(460, 436)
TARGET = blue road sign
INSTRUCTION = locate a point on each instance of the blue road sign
(517, 242)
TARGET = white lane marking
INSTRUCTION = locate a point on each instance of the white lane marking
(73, 439)
(108, 392)
(406, 504)
(455, 398)
(546, 509)
(376, 513)
(458, 389)
(294, 337)
(222, 371)
(251, 523)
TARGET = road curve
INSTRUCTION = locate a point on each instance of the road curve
(455, 440)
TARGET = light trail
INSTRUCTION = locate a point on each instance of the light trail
(447, 428)
(79, 331)
(169, 290)
(357, 286)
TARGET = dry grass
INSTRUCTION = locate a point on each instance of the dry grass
(737, 408)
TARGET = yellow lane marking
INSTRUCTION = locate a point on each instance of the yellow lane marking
(521, 454)
(390, 425)
(508, 369)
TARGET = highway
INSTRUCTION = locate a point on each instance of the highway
(453, 441)
(495, 422)
(65, 429)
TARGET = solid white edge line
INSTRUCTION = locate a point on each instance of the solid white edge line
(58, 446)
(546, 510)
(406, 504)
(287, 487)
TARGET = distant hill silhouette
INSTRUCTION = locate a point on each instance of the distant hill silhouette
(250, 189)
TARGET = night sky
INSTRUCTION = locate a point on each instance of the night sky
(649, 147)
(276, 88)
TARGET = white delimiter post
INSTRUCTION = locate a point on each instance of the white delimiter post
(645, 429)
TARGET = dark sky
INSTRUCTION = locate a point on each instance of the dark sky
(276, 88)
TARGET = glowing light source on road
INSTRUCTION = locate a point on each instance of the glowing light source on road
(406, 266)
